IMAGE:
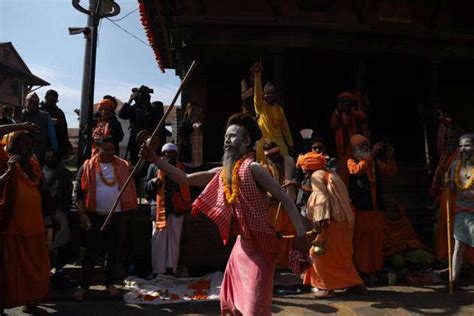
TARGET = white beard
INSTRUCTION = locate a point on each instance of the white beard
(230, 158)
(361, 154)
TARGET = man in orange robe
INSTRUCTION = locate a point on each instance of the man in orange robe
(24, 258)
(346, 121)
(438, 192)
(400, 241)
(282, 169)
(366, 169)
(329, 207)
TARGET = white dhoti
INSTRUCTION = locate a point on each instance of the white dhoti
(165, 245)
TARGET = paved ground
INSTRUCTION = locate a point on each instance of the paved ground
(384, 300)
(393, 300)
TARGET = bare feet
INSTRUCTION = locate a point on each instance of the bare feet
(318, 293)
(79, 294)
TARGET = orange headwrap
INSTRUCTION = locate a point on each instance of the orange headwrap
(105, 103)
(358, 140)
(10, 138)
(345, 95)
(311, 161)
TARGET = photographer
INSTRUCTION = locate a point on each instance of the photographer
(143, 115)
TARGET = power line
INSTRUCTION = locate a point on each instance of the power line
(135, 37)
(116, 20)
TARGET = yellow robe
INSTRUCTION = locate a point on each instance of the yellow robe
(272, 122)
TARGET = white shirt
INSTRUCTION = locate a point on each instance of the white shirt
(105, 195)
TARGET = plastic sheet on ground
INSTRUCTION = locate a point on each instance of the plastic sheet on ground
(165, 289)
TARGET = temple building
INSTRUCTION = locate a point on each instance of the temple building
(407, 59)
(16, 79)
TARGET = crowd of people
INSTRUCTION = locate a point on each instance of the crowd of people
(325, 218)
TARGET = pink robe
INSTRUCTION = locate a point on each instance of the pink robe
(248, 279)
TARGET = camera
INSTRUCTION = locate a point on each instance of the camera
(143, 89)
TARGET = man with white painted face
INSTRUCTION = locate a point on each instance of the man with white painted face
(461, 183)
(235, 199)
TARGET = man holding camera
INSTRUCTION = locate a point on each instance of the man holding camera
(365, 171)
(143, 115)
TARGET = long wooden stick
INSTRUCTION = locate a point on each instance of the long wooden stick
(155, 132)
(450, 247)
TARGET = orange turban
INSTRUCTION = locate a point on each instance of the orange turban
(345, 95)
(105, 103)
(10, 138)
(358, 140)
(311, 161)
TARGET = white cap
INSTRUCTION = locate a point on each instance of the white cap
(169, 147)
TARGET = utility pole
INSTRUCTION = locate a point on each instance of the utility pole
(97, 9)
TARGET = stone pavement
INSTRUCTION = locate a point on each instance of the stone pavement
(389, 300)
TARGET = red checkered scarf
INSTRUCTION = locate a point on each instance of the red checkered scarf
(251, 210)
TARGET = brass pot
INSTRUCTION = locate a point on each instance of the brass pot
(317, 248)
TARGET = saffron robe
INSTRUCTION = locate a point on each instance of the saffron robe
(330, 202)
(277, 216)
(24, 258)
(366, 194)
(345, 126)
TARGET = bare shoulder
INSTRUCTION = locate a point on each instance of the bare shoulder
(256, 167)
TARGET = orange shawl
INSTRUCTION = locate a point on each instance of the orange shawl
(88, 184)
(181, 198)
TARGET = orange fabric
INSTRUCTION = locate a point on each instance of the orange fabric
(399, 235)
(160, 223)
(24, 264)
(441, 233)
(345, 126)
(106, 104)
(128, 200)
(357, 140)
(311, 161)
(367, 167)
(280, 220)
(334, 269)
(284, 226)
(368, 241)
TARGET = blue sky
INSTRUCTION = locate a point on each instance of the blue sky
(39, 31)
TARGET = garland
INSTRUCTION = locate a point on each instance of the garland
(231, 193)
(457, 180)
(36, 168)
(107, 182)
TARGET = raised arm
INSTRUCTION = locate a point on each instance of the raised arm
(258, 92)
(267, 183)
(201, 178)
